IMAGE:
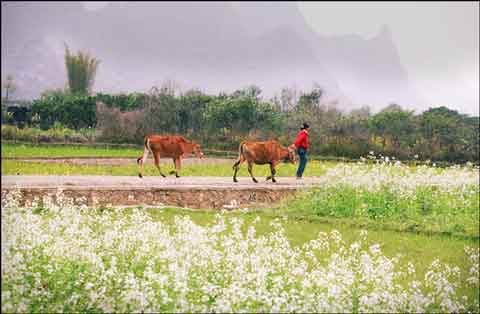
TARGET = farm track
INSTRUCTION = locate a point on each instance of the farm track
(196, 192)
(192, 192)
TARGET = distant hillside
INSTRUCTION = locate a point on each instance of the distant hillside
(217, 46)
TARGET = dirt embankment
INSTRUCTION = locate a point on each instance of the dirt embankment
(193, 192)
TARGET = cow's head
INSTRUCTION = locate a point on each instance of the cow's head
(197, 150)
(291, 157)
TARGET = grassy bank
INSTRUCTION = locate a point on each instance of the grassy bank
(422, 199)
(427, 211)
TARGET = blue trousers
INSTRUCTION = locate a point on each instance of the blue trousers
(302, 153)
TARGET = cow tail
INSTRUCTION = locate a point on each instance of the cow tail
(147, 145)
(146, 150)
(240, 149)
(240, 152)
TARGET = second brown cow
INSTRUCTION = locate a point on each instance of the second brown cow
(261, 153)
(173, 146)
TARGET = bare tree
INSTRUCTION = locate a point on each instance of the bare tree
(363, 112)
(288, 98)
(9, 86)
(170, 87)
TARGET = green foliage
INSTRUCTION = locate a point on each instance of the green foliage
(349, 136)
(73, 111)
(222, 122)
(124, 102)
(310, 101)
(241, 116)
(161, 114)
(448, 135)
(396, 126)
(7, 117)
(190, 112)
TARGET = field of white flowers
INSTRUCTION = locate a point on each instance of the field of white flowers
(424, 197)
(67, 258)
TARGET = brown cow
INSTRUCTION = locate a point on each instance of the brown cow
(261, 153)
(172, 146)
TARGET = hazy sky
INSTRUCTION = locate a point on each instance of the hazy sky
(438, 42)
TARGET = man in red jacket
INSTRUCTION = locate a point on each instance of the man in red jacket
(301, 144)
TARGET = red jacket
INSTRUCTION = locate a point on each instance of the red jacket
(302, 139)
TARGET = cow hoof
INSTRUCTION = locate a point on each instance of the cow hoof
(163, 175)
(235, 180)
(140, 176)
(171, 172)
(255, 180)
(177, 176)
(274, 181)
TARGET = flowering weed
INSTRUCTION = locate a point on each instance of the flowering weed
(67, 258)
(417, 198)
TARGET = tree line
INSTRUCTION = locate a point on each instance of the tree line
(223, 121)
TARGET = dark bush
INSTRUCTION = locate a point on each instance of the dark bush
(73, 111)
(124, 102)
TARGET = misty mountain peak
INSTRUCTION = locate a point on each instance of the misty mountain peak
(213, 45)
(385, 33)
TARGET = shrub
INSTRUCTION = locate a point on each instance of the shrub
(117, 127)
(88, 133)
(9, 132)
(125, 102)
(73, 111)
(57, 134)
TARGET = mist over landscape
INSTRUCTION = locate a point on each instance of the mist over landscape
(212, 46)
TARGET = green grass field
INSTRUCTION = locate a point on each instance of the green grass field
(315, 168)
(25, 150)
